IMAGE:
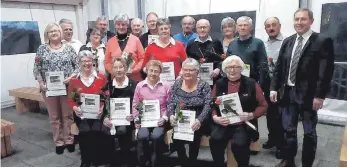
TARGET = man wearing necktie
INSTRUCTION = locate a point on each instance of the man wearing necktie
(300, 84)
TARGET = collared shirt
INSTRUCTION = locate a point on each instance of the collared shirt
(75, 44)
(249, 36)
(124, 84)
(209, 38)
(160, 91)
(104, 38)
(90, 80)
(305, 37)
(160, 44)
(185, 39)
(101, 56)
(273, 47)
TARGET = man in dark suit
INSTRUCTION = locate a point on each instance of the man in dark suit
(301, 78)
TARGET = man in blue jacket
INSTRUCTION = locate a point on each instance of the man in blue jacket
(188, 24)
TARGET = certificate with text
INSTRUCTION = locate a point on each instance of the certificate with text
(90, 105)
(151, 113)
(168, 72)
(55, 85)
(119, 110)
(183, 130)
(206, 70)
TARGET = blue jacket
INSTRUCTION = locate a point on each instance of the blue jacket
(180, 37)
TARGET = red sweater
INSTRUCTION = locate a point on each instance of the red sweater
(75, 83)
(171, 53)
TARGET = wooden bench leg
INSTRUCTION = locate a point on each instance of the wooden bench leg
(20, 105)
(31, 105)
(3, 147)
(6, 146)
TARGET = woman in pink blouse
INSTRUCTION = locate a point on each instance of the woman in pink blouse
(152, 88)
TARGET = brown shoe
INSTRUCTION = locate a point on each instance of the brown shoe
(286, 163)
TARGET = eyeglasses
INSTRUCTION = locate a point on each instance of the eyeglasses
(86, 61)
(154, 71)
(203, 27)
(189, 70)
(53, 31)
(233, 67)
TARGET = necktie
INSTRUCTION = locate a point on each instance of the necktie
(295, 60)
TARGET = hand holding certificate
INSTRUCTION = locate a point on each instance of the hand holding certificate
(231, 109)
(183, 130)
(55, 84)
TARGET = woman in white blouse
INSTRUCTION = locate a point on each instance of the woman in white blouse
(98, 49)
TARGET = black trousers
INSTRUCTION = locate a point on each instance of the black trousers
(93, 149)
(274, 125)
(193, 149)
(240, 141)
(290, 115)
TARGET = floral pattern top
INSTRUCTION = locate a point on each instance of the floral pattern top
(47, 60)
(198, 100)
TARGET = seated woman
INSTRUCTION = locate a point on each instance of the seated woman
(195, 94)
(152, 88)
(88, 81)
(120, 87)
(253, 105)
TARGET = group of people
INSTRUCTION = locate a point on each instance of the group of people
(284, 77)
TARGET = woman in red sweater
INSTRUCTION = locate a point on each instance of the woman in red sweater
(88, 81)
(166, 49)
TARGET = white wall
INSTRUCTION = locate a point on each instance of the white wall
(128, 7)
(263, 8)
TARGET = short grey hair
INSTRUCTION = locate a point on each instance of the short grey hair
(136, 19)
(84, 53)
(189, 18)
(276, 18)
(65, 21)
(191, 62)
(121, 17)
(101, 18)
(309, 12)
(244, 19)
(228, 21)
(163, 21)
(230, 59)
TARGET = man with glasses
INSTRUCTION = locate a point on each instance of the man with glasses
(205, 49)
(67, 27)
(151, 21)
(187, 35)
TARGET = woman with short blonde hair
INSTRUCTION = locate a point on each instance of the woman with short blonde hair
(54, 56)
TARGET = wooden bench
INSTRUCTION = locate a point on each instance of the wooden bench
(231, 162)
(27, 99)
(7, 128)
(343, 154)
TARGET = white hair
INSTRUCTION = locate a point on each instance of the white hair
(191, 62)
(228, 21)
(65, 21)
(121, 17)
(101, 18)
(203, 20)
(136, 20)
(230, 59)
(188, 17)
(244, 19)
(84, 53)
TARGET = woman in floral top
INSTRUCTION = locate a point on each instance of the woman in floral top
(54, 56)
(190, 93)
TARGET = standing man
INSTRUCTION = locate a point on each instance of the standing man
(151, 21)
(273, 118)
(137, 27)
(187, 35)
(67, 27)
(300, 84)
(102, 24)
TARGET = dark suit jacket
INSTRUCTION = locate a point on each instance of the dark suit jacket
(314, 72)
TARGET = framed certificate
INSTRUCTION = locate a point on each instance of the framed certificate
(55, 85)
(230, 105)
(151, 113)
(206, 70)
(183, 130)
(168, 73)
(119, 110)
(90, 105)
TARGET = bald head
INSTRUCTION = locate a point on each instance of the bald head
(272, 27)
(136, 27)
(203, 28)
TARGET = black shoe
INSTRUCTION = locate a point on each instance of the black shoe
(59, 150)
(279, 154)
(286, 163)
(70, 148)
(268, 145)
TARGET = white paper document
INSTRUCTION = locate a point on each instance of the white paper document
(119, 110)
(168, 73)
(183, 130)
(151, 113)
(152, 38)
(129, 61)
(230, 105)
(90, 105)
(55, 85)
(206, 70)
(246, 70)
